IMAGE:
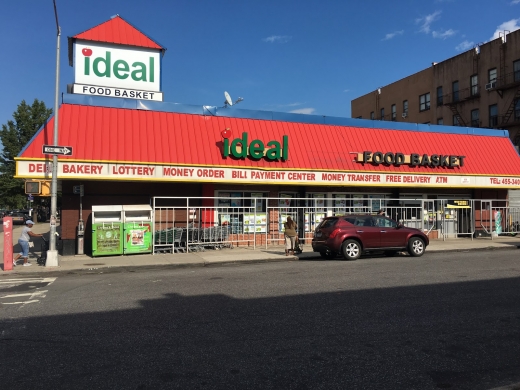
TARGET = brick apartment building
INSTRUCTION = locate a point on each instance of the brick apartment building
(478, 88)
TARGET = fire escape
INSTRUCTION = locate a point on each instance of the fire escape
(507, 81)
(456, 99)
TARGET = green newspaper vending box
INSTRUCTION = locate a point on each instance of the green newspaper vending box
(137, 231)
(107, 230)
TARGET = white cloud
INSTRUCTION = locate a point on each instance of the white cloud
(511, 25)
(515, 2)
(427, 21)
(443, 35)
(277, 39)
(392, 35)
(303, 111)
(463, 46)
(346, 90)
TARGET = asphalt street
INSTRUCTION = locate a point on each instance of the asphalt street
(442, 321)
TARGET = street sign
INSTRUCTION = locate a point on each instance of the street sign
(63, 150)
(30, 198)
(78, 190)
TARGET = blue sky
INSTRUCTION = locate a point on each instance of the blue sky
(305, 56)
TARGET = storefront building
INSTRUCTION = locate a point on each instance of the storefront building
(128, 146)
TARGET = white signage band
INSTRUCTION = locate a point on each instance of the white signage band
(116, 92)
(177, 173)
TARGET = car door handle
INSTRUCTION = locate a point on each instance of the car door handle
(383, 231)
(360, 231)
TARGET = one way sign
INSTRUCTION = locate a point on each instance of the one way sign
(64, 150)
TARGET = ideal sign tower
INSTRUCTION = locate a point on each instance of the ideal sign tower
(114, 59)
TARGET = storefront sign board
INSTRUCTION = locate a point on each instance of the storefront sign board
(169, 173)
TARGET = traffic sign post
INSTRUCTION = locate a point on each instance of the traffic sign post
(78, 190)
(61, 150)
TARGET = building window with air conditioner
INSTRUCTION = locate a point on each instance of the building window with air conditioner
(394, 112)
(473, 82)
(516, 70)
(493, 115)
(475, 118)
(492, 77)
(455, 91)
(439, 96)
(424, 102)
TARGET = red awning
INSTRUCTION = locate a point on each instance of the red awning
(105, 134)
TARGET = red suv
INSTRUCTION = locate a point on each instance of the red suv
(353, 234)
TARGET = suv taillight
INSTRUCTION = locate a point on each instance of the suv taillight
(334, 233)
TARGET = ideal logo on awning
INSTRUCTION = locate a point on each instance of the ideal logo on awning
(256, 149)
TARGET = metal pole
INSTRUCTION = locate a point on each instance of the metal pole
(52, 253)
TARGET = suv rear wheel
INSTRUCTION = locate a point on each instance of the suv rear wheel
(351, 249)
(416, 247)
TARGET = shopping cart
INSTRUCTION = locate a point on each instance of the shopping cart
(43, 256)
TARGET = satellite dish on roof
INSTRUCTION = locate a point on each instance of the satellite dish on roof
(228, 101)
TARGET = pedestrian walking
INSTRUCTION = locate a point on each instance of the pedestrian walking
(290, 236)
(24, 241)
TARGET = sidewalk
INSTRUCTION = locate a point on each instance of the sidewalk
(237, 255)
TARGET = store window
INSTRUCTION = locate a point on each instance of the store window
(439, 96)
(455, 91)
(394, 112)
(315, 210)
(424, 102)
(493, 115)
(475, 118)
(243, 212)
(474, 85)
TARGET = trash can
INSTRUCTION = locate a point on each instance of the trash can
(137, 230)
(107, 230)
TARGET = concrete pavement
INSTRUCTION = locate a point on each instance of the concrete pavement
(209, 257)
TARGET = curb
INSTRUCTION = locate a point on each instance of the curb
(206, 263)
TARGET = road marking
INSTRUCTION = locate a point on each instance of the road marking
(18, 281)
(25, 295)
(31, 295)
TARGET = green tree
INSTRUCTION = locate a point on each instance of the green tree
(14, 136)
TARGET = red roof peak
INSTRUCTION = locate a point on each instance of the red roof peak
(119, 31)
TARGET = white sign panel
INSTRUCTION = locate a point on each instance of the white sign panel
(113, 171)
(116, 92)
(106, 65)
